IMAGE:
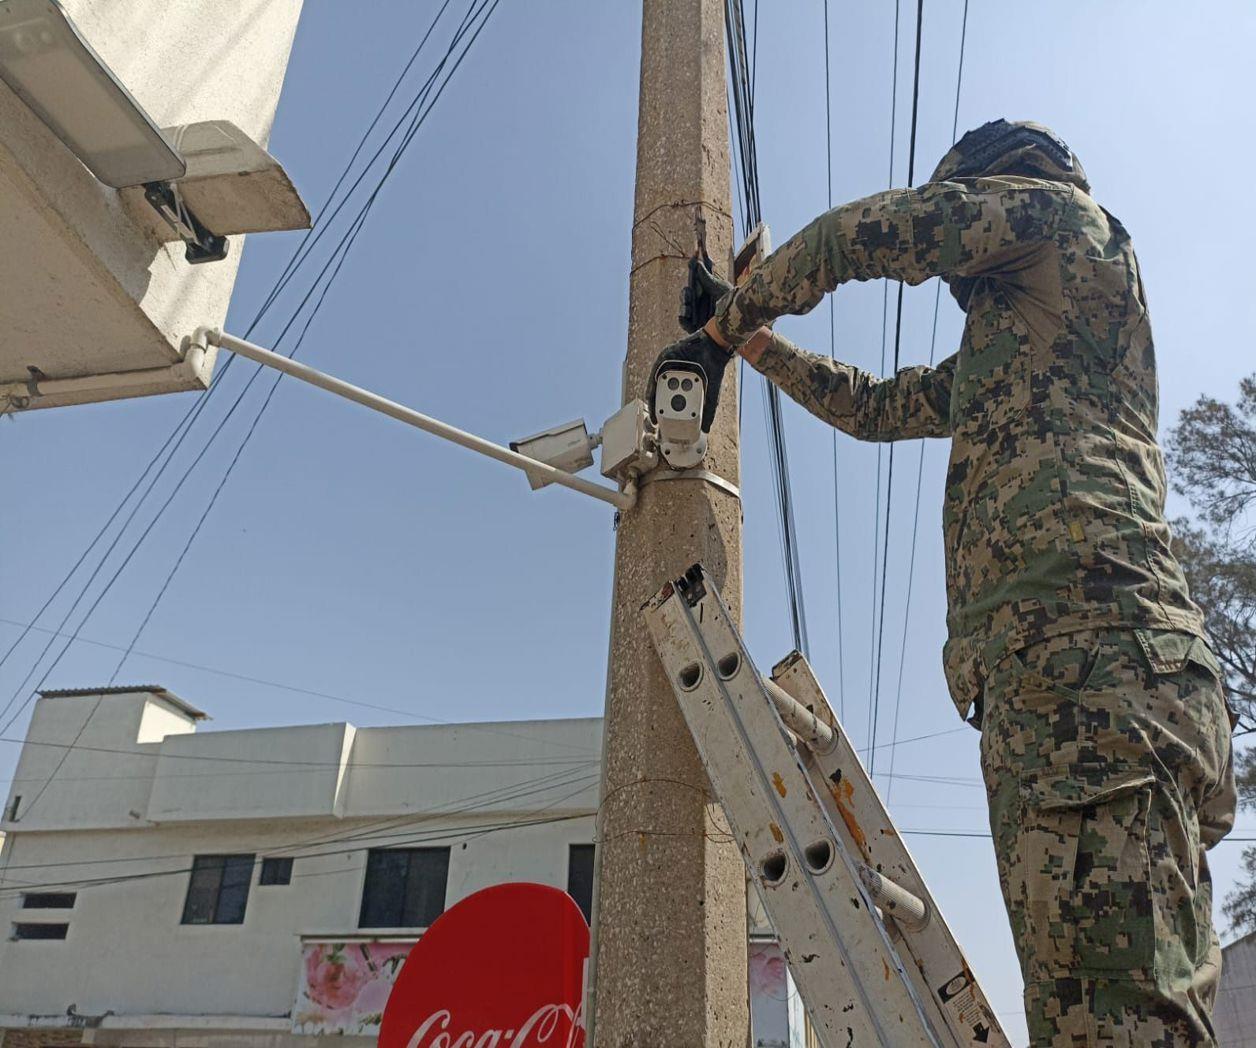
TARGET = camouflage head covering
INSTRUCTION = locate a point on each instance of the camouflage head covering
(1020, 148)
(1001, 147)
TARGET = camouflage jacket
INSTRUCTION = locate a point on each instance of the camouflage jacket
(1054, 511)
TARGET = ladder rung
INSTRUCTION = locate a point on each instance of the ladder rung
(801, 721)
(870, 952)
(909, 911)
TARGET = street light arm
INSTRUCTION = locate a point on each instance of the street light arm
(204, 337)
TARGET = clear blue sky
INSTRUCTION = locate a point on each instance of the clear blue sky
(351, 556)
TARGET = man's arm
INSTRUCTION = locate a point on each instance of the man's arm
(943, 229)
(914, 403)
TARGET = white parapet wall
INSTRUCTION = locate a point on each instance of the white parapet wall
(91, 293)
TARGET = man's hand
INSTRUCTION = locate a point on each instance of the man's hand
(698, 348)
(716, 287)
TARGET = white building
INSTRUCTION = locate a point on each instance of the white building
(1235, 1013)
(163, 885)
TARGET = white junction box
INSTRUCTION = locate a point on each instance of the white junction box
(628, 447)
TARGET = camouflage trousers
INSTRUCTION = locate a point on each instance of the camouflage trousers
(1106, 757)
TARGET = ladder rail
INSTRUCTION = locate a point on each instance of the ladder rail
(863, 821)
(873, 958)
(843, 961)
(772, 794)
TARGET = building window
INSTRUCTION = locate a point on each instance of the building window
(218, 889)
(40, 931)
(16, 803)
(404, 888)
(48, 900)
(580, 877)
(276, 871)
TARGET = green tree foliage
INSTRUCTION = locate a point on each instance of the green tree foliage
(1222, 580)
(1212, 456)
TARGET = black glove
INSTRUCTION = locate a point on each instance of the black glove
(700, 294)
(716, 287)
(698, 348)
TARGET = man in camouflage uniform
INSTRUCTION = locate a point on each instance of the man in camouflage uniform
(1072, 641)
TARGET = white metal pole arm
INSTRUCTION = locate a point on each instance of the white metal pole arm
(212, 336)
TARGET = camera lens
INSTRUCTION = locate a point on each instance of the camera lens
(686, 384)
(678, 403)
(673, 383)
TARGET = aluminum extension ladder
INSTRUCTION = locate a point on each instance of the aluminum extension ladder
(872, 957)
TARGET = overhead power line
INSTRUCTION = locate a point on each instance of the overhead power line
(336, 259)
(898, 335)
(920, 461)
(215, 758)
(885, 328)
(837, 515)
(421, 108)
(741, 80)
(294, 262)
(449, 833)
(294, 688)
(335, 262)
(373, 828)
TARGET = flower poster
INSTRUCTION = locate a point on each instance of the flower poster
(345, 985)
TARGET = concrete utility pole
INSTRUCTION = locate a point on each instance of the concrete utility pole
(671, 949)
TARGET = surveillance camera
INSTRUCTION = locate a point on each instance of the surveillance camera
(679, 391)
(568, 447)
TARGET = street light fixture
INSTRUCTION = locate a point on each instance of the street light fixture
(57, 73)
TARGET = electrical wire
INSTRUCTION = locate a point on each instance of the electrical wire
(374, 828)
(837, 515)
(920, 462)
(343, 248)
(296, 689)
(193, 413)
(885, 328)
(271, 761)
(189, 417)
(452, 834)
(889, 479)
(741, 78)
(358, 832)
(347, 239)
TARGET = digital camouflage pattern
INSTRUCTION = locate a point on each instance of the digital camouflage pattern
(1015, 148)
(1106, 756)
(1072, 638)
(1054, 511)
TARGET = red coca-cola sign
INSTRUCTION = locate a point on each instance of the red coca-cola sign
(504, 968)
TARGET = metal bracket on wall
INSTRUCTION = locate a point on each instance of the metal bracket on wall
(201, 244)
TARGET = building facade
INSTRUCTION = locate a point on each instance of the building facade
(1235, 1014)
(165, 885)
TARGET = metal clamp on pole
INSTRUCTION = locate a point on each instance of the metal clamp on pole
(622, 500)
(714, 479)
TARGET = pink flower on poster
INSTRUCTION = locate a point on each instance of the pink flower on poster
(334, 974)
(345, 985)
